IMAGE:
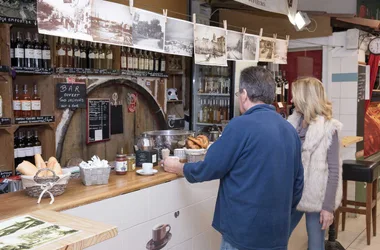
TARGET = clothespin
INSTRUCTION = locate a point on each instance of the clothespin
(131, 6)
(243, 30)
(275, 36)
(194, 19)
(261, 32)
(287, 39)
(165, 14)
(225, 24)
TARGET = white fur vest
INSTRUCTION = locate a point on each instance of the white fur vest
(314, 159)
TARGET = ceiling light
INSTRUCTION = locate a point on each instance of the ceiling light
(301, 20)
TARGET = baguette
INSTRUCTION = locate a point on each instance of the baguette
(27, 168)
(57, 169)
(50, 165)
(40, 163)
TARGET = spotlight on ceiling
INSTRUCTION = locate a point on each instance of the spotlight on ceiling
(300, 20)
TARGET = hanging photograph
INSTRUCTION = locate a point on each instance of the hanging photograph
(281, 52)
(210, 45)
(148, 31)
(234, 45)
(70, 18)
(251, 47)
(267, 48)
(179, 37)
(111, 23)
(21, 11)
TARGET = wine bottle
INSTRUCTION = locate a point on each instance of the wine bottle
(26, 108)
(123, 59)
(37, 52)
(96, 57)
(91, 56)
(69, 53)
(36, 102)
(76, 55)
(29, 152)
(12, 50)
(37, 149)
(19, 51)
(83, 55)
(16, 149)
(46, 58)
(28, 51)
(102, 56)
(61, 53)
(109, 57)
(16, 103)
(21, 147)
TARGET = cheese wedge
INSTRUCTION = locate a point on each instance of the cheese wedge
(40, 163)
(27, 168)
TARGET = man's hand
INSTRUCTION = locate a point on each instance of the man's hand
(172, 165)
(326, 219)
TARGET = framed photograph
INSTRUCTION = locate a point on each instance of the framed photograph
(251, 48)
(179, 37)
(111, 23)
(234, 45)
(71, 19)
(148, 30)
(281, 52)
(210, 45)
(267, 49)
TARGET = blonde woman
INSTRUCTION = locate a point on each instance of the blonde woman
(318, 132)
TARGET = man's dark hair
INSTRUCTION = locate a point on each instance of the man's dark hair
(259, 84)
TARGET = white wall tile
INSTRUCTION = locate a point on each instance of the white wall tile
(345, 133)
(336, 107)
(349, 90)
(336, 89)
(336, 65)
(205, 190)
(202, 242)
(348, 153)
(188, 245)
(349, 64)
(349, 122)
(348, 107)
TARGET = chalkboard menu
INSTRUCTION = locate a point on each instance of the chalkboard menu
(71, 95)
(362, 78)
(98, 120)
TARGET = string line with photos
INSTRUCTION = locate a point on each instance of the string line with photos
(106, 22)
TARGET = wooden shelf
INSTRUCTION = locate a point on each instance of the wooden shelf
(174, 101)
(214, 94)
(209, 124)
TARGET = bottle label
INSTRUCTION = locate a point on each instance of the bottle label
(151, 65)
(278, 91)
(21, 152)
(120, 166)
(157, 65)
(163, 64)
(29, 53)
(16, 153)
(130, 63)
(110, 56)
(61, 52)
(37, 54)
(19, 53)
(25, 105)
(70, 52)
(102, 56)
(46, 54)
(96, 55)
(16, 105)
(135, 63)
(77, 53)
(83, 55)
(12, 53)
(28, 151)
(91, 55)
(36, 105)
(146, 64)
(141, 64)
(37, 150)
(123, 62)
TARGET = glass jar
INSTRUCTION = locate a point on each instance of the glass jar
(131, 162)
(121, 164)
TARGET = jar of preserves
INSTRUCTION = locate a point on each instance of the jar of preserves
(131, 162)
(121, 164)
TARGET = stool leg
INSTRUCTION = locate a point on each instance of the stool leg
(369, 211)
(344, 204)
(336, 222)
(374, 210)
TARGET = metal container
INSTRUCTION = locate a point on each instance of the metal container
(170, 139)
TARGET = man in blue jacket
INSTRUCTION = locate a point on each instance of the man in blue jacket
(258, 162)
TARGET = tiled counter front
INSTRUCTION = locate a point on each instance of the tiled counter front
(187, 208)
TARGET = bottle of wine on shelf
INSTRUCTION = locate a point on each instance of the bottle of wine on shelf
(16, 103)
(69, 53)
(123, 59)
(129, 59)
(36, 102)
(141, 61)
(29, 150)
(286, 87)
(46, 58)
(151, 61)
(37, 149)
(200, 112)
(96, 57)
(37, 52)
(21, 147)
(102, 56)
(146, 61)
(28, 51)
(16, 148)
(156, 62)
(109, 57)
(91, 57)
(83, 55)
(163, 63)
(135, 60)
(76, 55)
(12, 50)
(26, 108)
(61, 53)
(19, 51)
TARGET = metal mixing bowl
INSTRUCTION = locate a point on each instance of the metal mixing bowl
(170, 139)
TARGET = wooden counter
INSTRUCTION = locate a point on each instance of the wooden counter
(76, 194)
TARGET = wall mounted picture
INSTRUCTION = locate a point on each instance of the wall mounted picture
(70, 19)
(21, 11)
(210, 45)
(234, 45)
(251, 47)
(111, 23)
(179, 37)
(148, 31)
(160, 237)
(267, 48)
(281, 51)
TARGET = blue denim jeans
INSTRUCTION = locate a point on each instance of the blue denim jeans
(316, 236)
(226, 246)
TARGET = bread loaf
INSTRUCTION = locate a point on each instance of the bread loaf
(27, 168)
(57, 168)
(40, 163)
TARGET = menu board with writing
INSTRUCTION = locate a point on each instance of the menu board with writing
(362, 79)
(98, 120)
(71, 95)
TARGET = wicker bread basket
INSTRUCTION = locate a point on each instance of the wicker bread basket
(34, 185)
(195, 155)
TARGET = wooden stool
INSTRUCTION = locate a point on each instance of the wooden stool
(360, 171)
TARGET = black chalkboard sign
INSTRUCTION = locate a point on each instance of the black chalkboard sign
(98, 120)
(71, 95)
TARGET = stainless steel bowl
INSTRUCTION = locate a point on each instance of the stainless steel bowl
(170, 139)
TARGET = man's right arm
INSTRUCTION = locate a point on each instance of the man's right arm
(298, 176)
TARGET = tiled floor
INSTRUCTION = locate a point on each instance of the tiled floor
(353, 238)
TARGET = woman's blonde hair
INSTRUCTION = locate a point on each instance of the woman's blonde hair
(310, 99)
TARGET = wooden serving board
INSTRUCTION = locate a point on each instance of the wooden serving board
(91, 233)
(349, 140)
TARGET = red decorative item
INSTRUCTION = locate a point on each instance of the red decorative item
(132, 102)
(374, 69)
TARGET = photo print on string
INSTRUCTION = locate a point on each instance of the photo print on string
(210, 45)
(111, 23)
(179, 37)
(267, 48)
(71, 19)
(234, 45)
(281, 52)
(251, 47)
(148, 31)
